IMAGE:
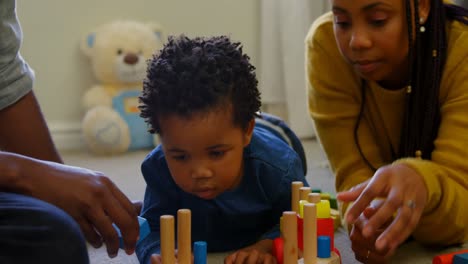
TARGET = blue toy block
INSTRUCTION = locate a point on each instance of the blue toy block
(460, 259)
(144, 231)
(323, 247)
(199, 252)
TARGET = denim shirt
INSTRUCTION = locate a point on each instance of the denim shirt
(236, 218)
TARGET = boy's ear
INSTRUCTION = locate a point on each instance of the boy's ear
(249, 132)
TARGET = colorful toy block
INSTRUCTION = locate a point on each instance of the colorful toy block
(199, 252)
(448, 258)
(460, 259)
(308, 228)
(144, 231)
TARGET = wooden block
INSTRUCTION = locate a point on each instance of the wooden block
(304, 192)
(167, 239)
(184, 240)
(301, 207)
(325, 196)
(310, 234)
(295, 195)
(335, 215)
(313, 198)
(290, 247)
(333, 259)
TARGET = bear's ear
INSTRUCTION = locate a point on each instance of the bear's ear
(157, 30)
(87, 43)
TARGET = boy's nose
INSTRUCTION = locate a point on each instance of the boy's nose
(201, 172)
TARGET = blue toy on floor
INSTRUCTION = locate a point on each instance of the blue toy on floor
(144, 231)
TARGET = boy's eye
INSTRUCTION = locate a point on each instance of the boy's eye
(180, 157)
(217, 153)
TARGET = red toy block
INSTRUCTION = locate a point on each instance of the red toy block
(447, 258)
(325, 227)
(300, 237)
(278, 249)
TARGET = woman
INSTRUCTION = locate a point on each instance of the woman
(388, 92)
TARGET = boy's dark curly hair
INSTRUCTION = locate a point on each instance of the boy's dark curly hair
(198, 75)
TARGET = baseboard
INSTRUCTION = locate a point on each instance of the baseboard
(66, 135)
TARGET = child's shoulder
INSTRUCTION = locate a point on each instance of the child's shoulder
(267, 148)
(154, 159)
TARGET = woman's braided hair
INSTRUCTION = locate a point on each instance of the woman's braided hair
(427, 54)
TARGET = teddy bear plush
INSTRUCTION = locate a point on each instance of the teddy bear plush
(118, 52)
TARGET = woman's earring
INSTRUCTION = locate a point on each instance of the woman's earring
(422, 28)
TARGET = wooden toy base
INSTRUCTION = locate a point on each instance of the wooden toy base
(333, 259)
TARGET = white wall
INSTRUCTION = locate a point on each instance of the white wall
(52, 31)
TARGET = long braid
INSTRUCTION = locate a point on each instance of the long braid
(406, 117)
(427, 53)
(423, 111)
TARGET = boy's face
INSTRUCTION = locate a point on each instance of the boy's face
(204, 152)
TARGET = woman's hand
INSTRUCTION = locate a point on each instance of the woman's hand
(363, 248)
(405, 196)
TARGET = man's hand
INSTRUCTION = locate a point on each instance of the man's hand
(90, 197)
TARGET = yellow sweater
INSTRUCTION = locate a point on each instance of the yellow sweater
(334, 102)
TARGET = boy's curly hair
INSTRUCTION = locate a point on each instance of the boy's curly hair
(197, 75)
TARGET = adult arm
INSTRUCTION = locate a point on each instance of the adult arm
(23, 130)
(444, 176)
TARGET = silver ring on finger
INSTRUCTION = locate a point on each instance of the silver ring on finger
(411, 204)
